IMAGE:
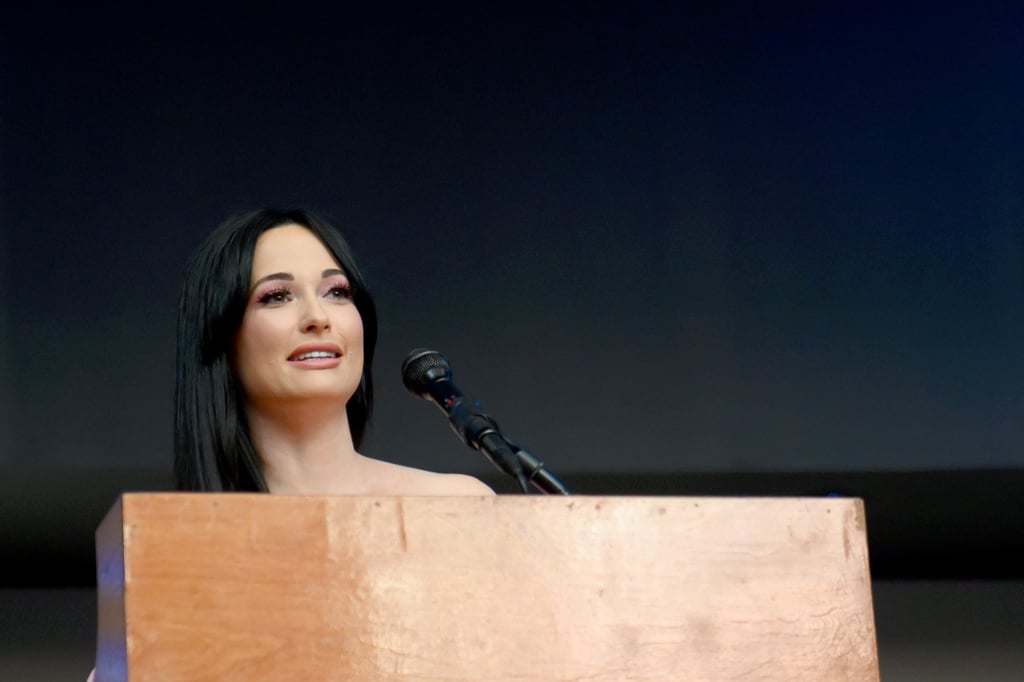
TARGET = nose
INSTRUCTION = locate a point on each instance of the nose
(315, 318)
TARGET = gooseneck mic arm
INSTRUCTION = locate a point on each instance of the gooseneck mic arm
(428, 374)
(480, 432)
(541, 479)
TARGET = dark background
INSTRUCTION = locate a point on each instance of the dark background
(697, 250)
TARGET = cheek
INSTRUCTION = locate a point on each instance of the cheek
(255, 343)
(352, 325)
(241, 359)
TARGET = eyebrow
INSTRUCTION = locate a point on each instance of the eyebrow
(289, 277)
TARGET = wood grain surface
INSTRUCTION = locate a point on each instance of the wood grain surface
(259, 587)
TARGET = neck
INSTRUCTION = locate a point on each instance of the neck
(305, 449)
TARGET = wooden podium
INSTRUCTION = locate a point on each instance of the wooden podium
(203, 587)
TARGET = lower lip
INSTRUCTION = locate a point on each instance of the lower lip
(316, 363)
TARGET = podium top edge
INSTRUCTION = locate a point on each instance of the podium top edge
(551, 499)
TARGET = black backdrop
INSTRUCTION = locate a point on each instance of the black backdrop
(712, 239)
(653, 241)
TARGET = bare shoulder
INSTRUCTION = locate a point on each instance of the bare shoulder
(396, 479)
(460, 484)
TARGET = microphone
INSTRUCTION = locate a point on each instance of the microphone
(428, 374)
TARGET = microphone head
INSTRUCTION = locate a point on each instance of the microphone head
(421, 368)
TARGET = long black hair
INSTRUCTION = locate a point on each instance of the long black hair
(213, 450)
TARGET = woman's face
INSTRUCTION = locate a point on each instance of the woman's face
(301, 336)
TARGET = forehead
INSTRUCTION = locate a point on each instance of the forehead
(291, 249)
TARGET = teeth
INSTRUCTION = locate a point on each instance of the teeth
(316, 354)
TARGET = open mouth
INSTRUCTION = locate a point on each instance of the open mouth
(314, 355)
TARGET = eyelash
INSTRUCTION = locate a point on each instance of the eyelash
(274, 296)
(281, 295)
(345, 290)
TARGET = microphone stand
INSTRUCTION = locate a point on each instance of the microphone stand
(542, 479)
(480, 432)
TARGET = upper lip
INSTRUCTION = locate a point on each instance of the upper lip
(311, 347)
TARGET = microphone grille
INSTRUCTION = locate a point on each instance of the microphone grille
(421, 366)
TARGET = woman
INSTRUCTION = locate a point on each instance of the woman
(276, 333)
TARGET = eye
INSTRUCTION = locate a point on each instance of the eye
(274, 296)
(339, 291)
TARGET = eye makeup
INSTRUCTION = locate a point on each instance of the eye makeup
(280, 288)
(337, 287)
